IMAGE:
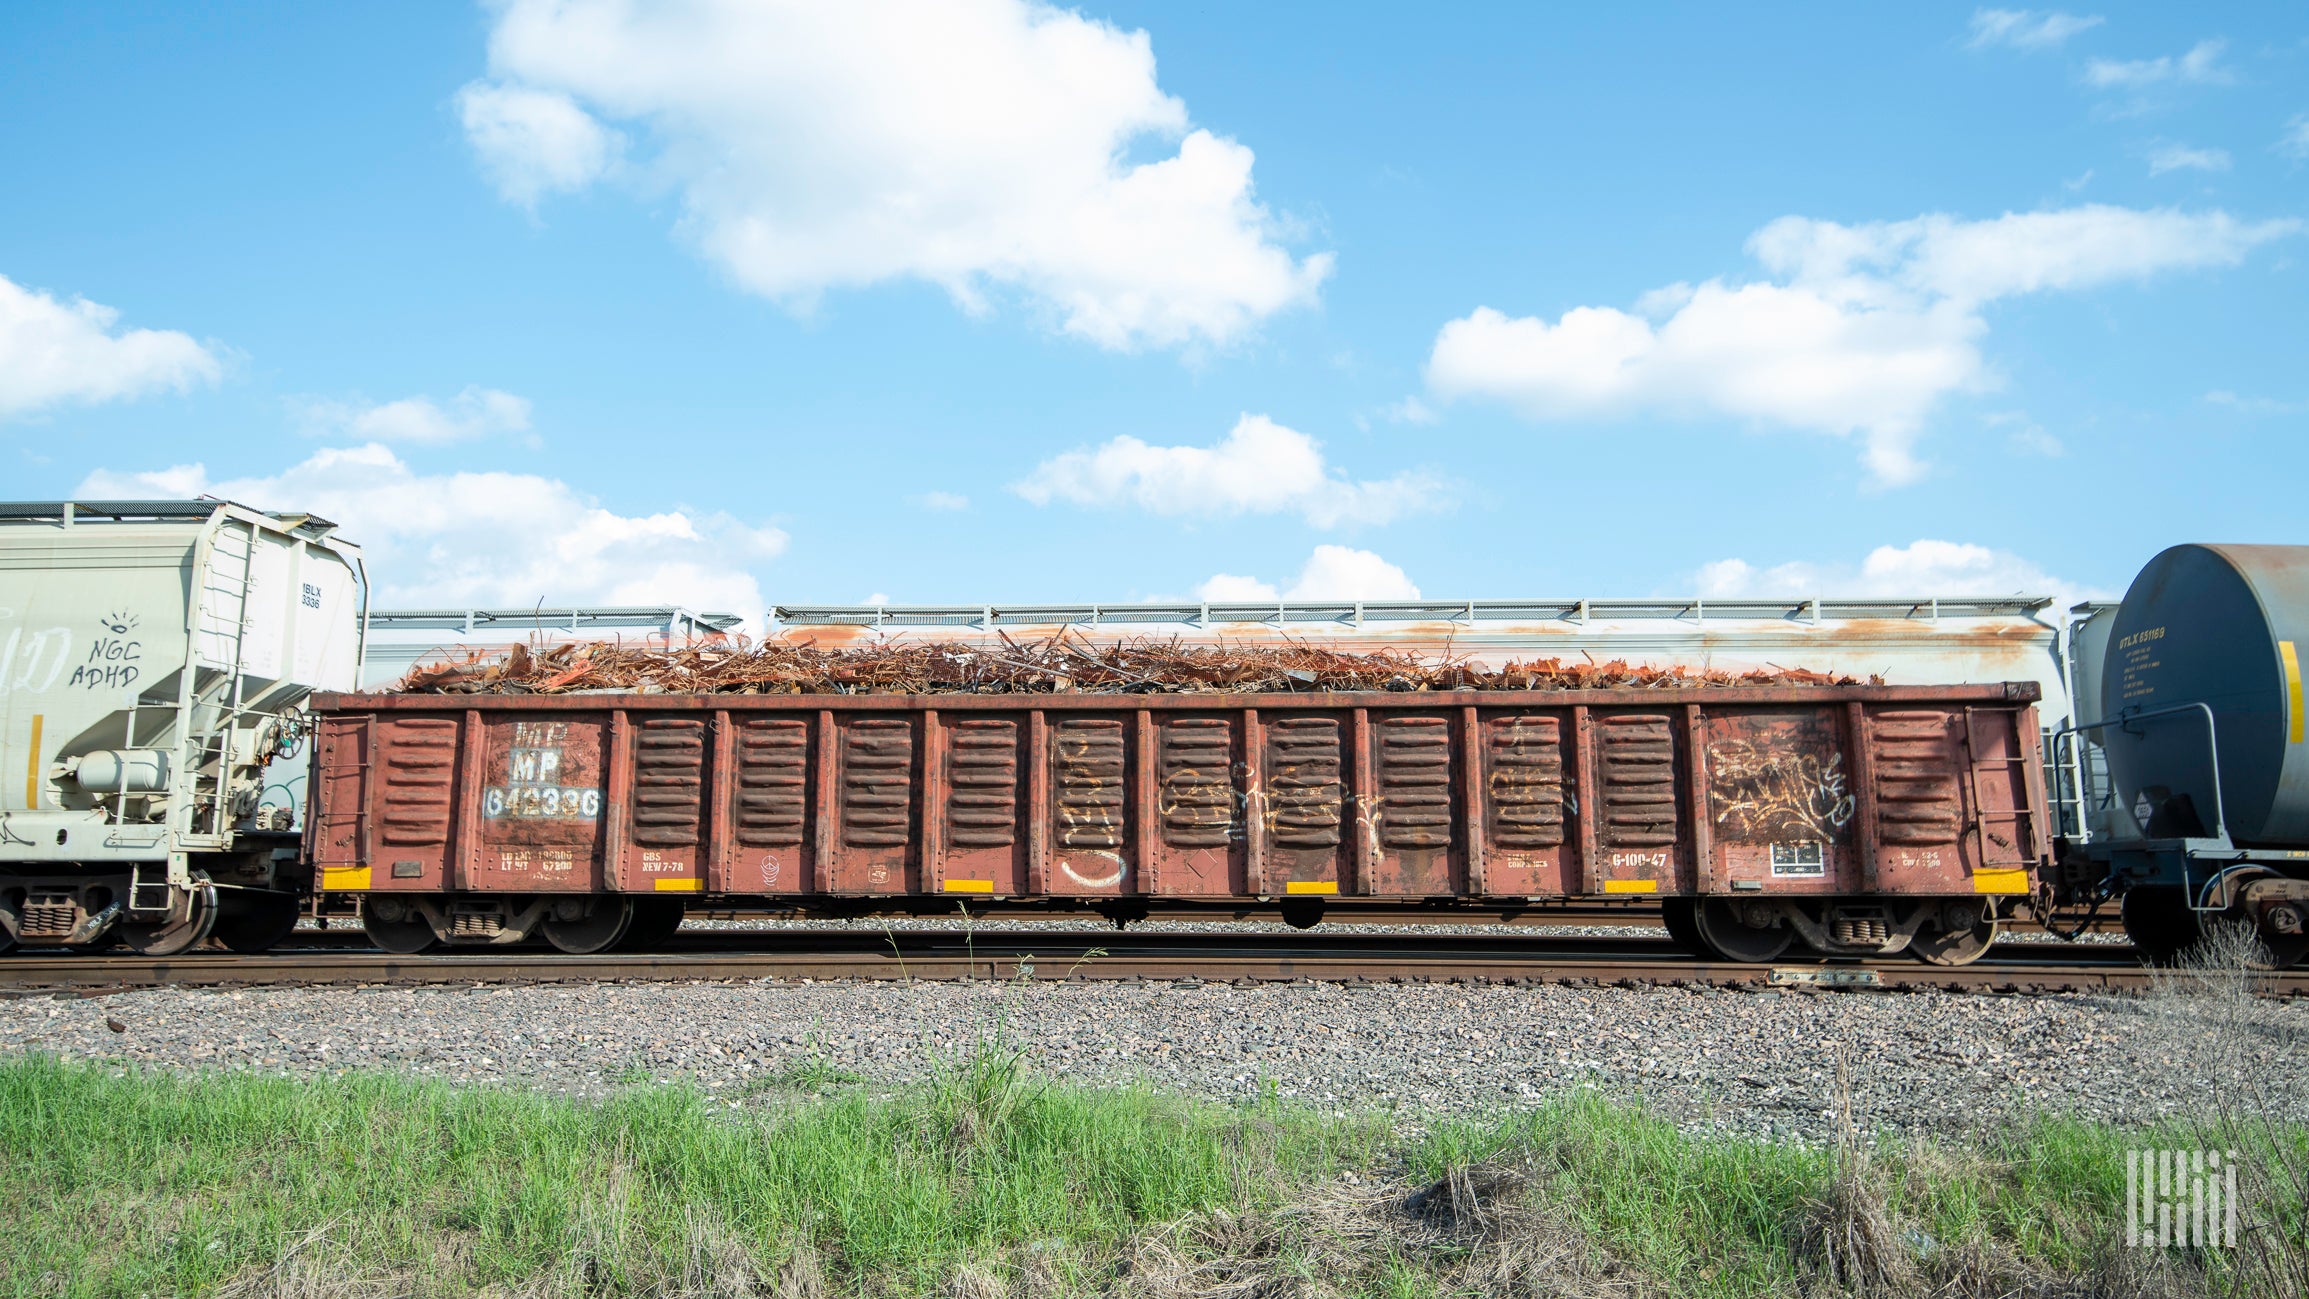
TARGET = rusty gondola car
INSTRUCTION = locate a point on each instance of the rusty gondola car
(1847, 819)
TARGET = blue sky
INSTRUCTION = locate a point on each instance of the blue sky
(729, 303)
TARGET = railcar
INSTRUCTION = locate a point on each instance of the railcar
(2200, 736)
(1846, 820)
(154, 661)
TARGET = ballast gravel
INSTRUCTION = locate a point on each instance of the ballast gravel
(1758, 1063)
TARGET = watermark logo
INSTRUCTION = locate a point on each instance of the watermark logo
(2181, 1197)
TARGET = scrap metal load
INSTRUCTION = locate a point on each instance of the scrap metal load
(1058, 665)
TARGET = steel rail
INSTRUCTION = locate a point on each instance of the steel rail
(1040, 957)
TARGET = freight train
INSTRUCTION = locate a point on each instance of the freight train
(157, 659)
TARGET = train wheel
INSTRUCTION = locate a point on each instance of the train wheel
(596, 926)
(396, 926)
(252, 920)
(184, 930)
(1680, 917)
(1729, 935)
(655, 921)
(1953, 947)
(2158, 920)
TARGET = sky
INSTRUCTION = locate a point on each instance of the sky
(736, 304)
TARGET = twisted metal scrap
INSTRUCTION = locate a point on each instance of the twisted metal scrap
(1061, 664)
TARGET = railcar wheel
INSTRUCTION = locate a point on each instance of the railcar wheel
(594, 925)
(1729, 935)
(655, 921)
(1953, 947)
(252, 920)
(2158, 920)
(396, 926)
(180, 932)
(1680, 917)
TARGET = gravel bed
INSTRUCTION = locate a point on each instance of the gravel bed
(1759, 1063)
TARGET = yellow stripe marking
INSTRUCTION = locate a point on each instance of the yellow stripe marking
(2011, 881)
(1310, 886)
(344, 877)
(32, 764)
(680, 886)
(970, 886)
(2284, 650)
(1631, 886)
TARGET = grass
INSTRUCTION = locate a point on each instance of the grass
(989, 1182)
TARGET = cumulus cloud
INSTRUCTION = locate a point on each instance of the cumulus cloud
(1861, 330)
(2027, 29)
(2200, 66)
(1924, 568)
(1260, 467)
(978, 145)
(491, 539)
(1330, 573)
(535, 142)
(2180, 157)
(475, 412)
(53, 353)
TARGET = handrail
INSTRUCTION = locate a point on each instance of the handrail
(2129, 716)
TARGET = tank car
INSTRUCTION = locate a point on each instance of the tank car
(2201, 730)
(153, 659)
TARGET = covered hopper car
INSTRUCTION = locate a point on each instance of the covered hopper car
(1845, 819)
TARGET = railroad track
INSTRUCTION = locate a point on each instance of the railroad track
(1009, 954)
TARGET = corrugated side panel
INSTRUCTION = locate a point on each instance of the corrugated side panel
(666, 805)
(878, 773)
(1638, 805)
(769, 826)
(1411, 810)
(1089, 805)
(1199, 806)
(984, 805)
(1526, 813)
(1305, 804)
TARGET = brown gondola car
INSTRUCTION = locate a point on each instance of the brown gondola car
(1844, 819)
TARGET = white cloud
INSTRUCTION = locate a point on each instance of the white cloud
(2027, 29)
(1864, 330)
(1234, 588)
(2296, 139)
(1260, 467)
(475, 412)
(55, 352)
(2255, 405)
(1410, 410)
(980, 145)
(942, 501)
(492, 539)
(2180, 157)
(2200, 66)
(535, 142)
(1330, 573)
(1924, 568)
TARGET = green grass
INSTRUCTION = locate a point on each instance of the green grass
(126, 1183)
(120, 1182)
